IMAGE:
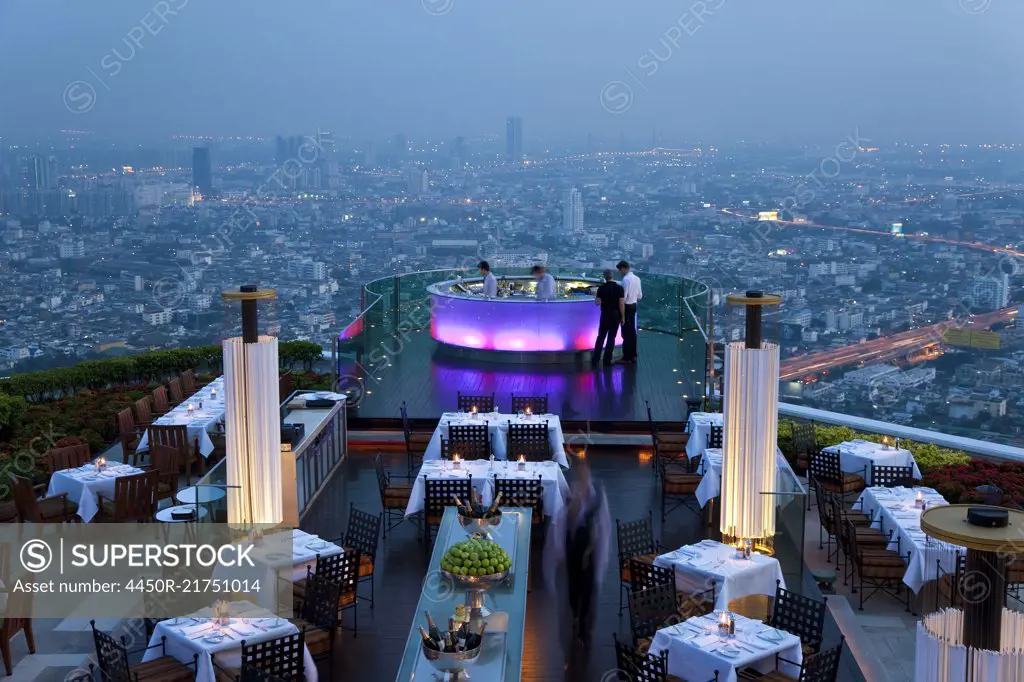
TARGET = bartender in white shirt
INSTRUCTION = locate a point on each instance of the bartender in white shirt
(631, 284)
(490, 281)
(545, 282)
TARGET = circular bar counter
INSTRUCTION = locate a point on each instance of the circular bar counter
(516, 326)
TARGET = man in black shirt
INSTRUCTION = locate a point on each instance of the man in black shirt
(612, 299)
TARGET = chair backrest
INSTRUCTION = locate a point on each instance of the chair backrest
(799, 615)
(643, 574)
(482, 403)
(69, 457)
(173, 436)
(251, 673)
(650, 609)
(143, 410)
(24, 499)
(693, 405)
(160, 402)
(320, 602)
(382, 476)
(406, 426)
(639, 666)
(805, 438)
(282, 656)
(341, 569)
(363, 531)
(471, 441)
(715, 436)
(521, 492)
(166, 459)
(437, 494)
(174, 386)
(823, 666)
(634, 538)
(126, 423)
(530, 440)
(538, 404)
(135, 496)
(188, 381)
(111, 656)
(825, 467)
(891, 476)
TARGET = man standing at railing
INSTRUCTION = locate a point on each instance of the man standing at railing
(490, 281)
(631, 284)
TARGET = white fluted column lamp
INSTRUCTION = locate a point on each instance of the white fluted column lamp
(750, 431)
(252, 418)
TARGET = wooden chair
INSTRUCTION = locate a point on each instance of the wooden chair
(394, 497)
(363, 531)
(283, 657)
(800, 616)
(112, 661)
(316, 613)
(470, 441)
(892, 476)
(69, 457)
(54, 509)
(161, 404)
(188, 383)
(537, 404)
(716, 434)
(635, 541)
(678, 486)
(17, 603)
(134, 499)
(175, 436)
(130, 435)
(437, 494)
(416, 442)
(819, 667)
(482, 403)
(341, 570)
(879, 569)
(826, 472)
(533, 441)
(176, 391)
(166, 462)
(650, 610)
(143, 411)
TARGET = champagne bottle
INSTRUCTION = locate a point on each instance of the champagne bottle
(449, 645)
(427, 641)
(458, 502)
(435, 633)
(494, 506)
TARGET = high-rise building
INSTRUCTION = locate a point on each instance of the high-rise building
(572, 212)
(417, 180)
(41, 172)
(991, 293)
(291, 160)
(202, 170)
(71, 248)
(401, 147)
(459, 151)
(514, 139)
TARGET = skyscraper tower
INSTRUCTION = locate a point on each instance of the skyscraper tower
(572, 212)
(514, 139)
(202, 170)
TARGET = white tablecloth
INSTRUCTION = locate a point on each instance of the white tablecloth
(497, 423)
(253, 624)
(697, 565)
(896, 509)
(201, 422)
(857, 456)
(556, 489)
(711, 484)
(281, 558)
(694, 649)
(83, 485)
(700, 424)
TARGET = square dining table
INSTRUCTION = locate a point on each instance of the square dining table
(697, 565)
(85, 483)
(857, 456)
(497, 427)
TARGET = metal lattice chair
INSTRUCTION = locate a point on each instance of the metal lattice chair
(805, 443)
(281, 656)
(112, 661)
(537, 404)
(635, 540)
(678, 486)
(363, 531)
(437, 494)
(470, 441)
(891, 476)
(341, 569)
(799, 615)
(482, 403)
(672, 440)
(696, 604)
(716, 435)
(643, 574)
(634, 665)
(820, 667)
(866, 536)
(251, 673)
(826, 472)
(877, 568)
(316, 614)
(415, 442)
(650, 610)
(530, 440)
(394, 497)
(522, 492)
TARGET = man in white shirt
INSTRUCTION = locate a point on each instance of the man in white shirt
(490, 281)
(545, 282)
(631, 284)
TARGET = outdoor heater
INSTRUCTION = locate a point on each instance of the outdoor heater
(750, 430)
(252, 418)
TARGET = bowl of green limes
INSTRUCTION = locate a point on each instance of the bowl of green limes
(476, 562)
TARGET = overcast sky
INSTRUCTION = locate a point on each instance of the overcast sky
(753, 69)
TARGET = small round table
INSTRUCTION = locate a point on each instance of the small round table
(165, 515)
(987, 551)
(194, 495)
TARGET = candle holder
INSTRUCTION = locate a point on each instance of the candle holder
(257, 538)
(213, 393)
(221, 615)
(919, 502)
(100, 463)
(724, 621)
(522, 462)
(885, 442)
(456, 462)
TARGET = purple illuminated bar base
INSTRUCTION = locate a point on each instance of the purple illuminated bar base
(519, 323)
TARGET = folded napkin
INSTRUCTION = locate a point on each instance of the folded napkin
(242, 628)
(686, 551)
(200, 629)
(704, 641)
(770, 635)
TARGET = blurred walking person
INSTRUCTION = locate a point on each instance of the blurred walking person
(579, 539)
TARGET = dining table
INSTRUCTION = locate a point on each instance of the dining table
(84, 484)
(697, 648)
(711, 480)
(699, 426)
(497, 427)
(858, 456)
(483, 471)
(202, 413)
(899, 510)
(696, 566)
(200, 633)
